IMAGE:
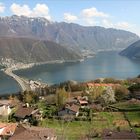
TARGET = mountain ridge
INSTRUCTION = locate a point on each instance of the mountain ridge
(29, 50)
(71, 37)
(133, 51)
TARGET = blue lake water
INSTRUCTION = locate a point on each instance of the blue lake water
(7, 84)
(104, 64)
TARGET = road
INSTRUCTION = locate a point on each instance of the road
(24, 84)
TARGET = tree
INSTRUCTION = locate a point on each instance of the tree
(61, 97)
(134, 87)
(108, 96)
(29, 97)
(47, 110)
(121, 92)
(95, 93)
(112, 80)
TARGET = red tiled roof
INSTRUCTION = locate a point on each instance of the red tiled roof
(7, 129)
(104, 85)
(83, 102)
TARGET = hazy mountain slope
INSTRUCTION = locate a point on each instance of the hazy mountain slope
(133, 51)
(92, 38)
(31, 50)
(67, 34)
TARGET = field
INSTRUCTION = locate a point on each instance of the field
(134, 118)
(128, 105)
(77, 130)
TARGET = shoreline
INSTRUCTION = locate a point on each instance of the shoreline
(21, 66)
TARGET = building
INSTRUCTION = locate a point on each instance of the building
(69, 110)
(5, 107)
(26, 113)
(33, 133)
(7, 130)
(91, 85)
(83, 101)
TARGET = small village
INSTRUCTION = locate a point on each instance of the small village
(105, 109)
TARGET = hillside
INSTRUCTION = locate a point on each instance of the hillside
(20, 39)
(133, 51)
(31, 50)
(70, 35)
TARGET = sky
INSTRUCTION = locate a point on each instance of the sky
(120, 14)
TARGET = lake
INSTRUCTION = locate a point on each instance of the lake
(104, 64)
(7, 84)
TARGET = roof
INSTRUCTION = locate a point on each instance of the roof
(73, 107)
(83, 102)
(5, 102)
(120, 135)
(22, 112)
(33, 133)
(7, 129)
(98, 85)
(10, 103)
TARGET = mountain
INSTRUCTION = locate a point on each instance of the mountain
(67, 34)
(32, 50)
(72, 38)
(133, 51)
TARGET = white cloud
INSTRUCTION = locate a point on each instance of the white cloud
(40, 10)
(120, 25)
(91, 21)
(20, 10)
(123, 25)
(69, 17)
(2, 8)
(107, 23)
(93, 12)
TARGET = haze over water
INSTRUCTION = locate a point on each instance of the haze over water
(104, 64)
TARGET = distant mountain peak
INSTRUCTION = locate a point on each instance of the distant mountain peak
(70, 37)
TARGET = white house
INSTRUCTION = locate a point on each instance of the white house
(5, 107)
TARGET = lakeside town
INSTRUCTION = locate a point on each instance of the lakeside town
(104, 108)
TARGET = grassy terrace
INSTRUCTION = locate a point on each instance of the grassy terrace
(134, 118)
(128, 105)
(77, 129)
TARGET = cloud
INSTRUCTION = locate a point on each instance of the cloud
(91, 21)
(2, 8)
(20, 10)
(69, 17)
(107, 23)
(93, 12)
(120, 25)
(123, 25)
(40, 10)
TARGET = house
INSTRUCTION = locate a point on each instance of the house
(7, 130)
(91, 85)
(33, 133)
(69, 110)
(118, 135)
(5, 107)
(25, 113)
(83, 101)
